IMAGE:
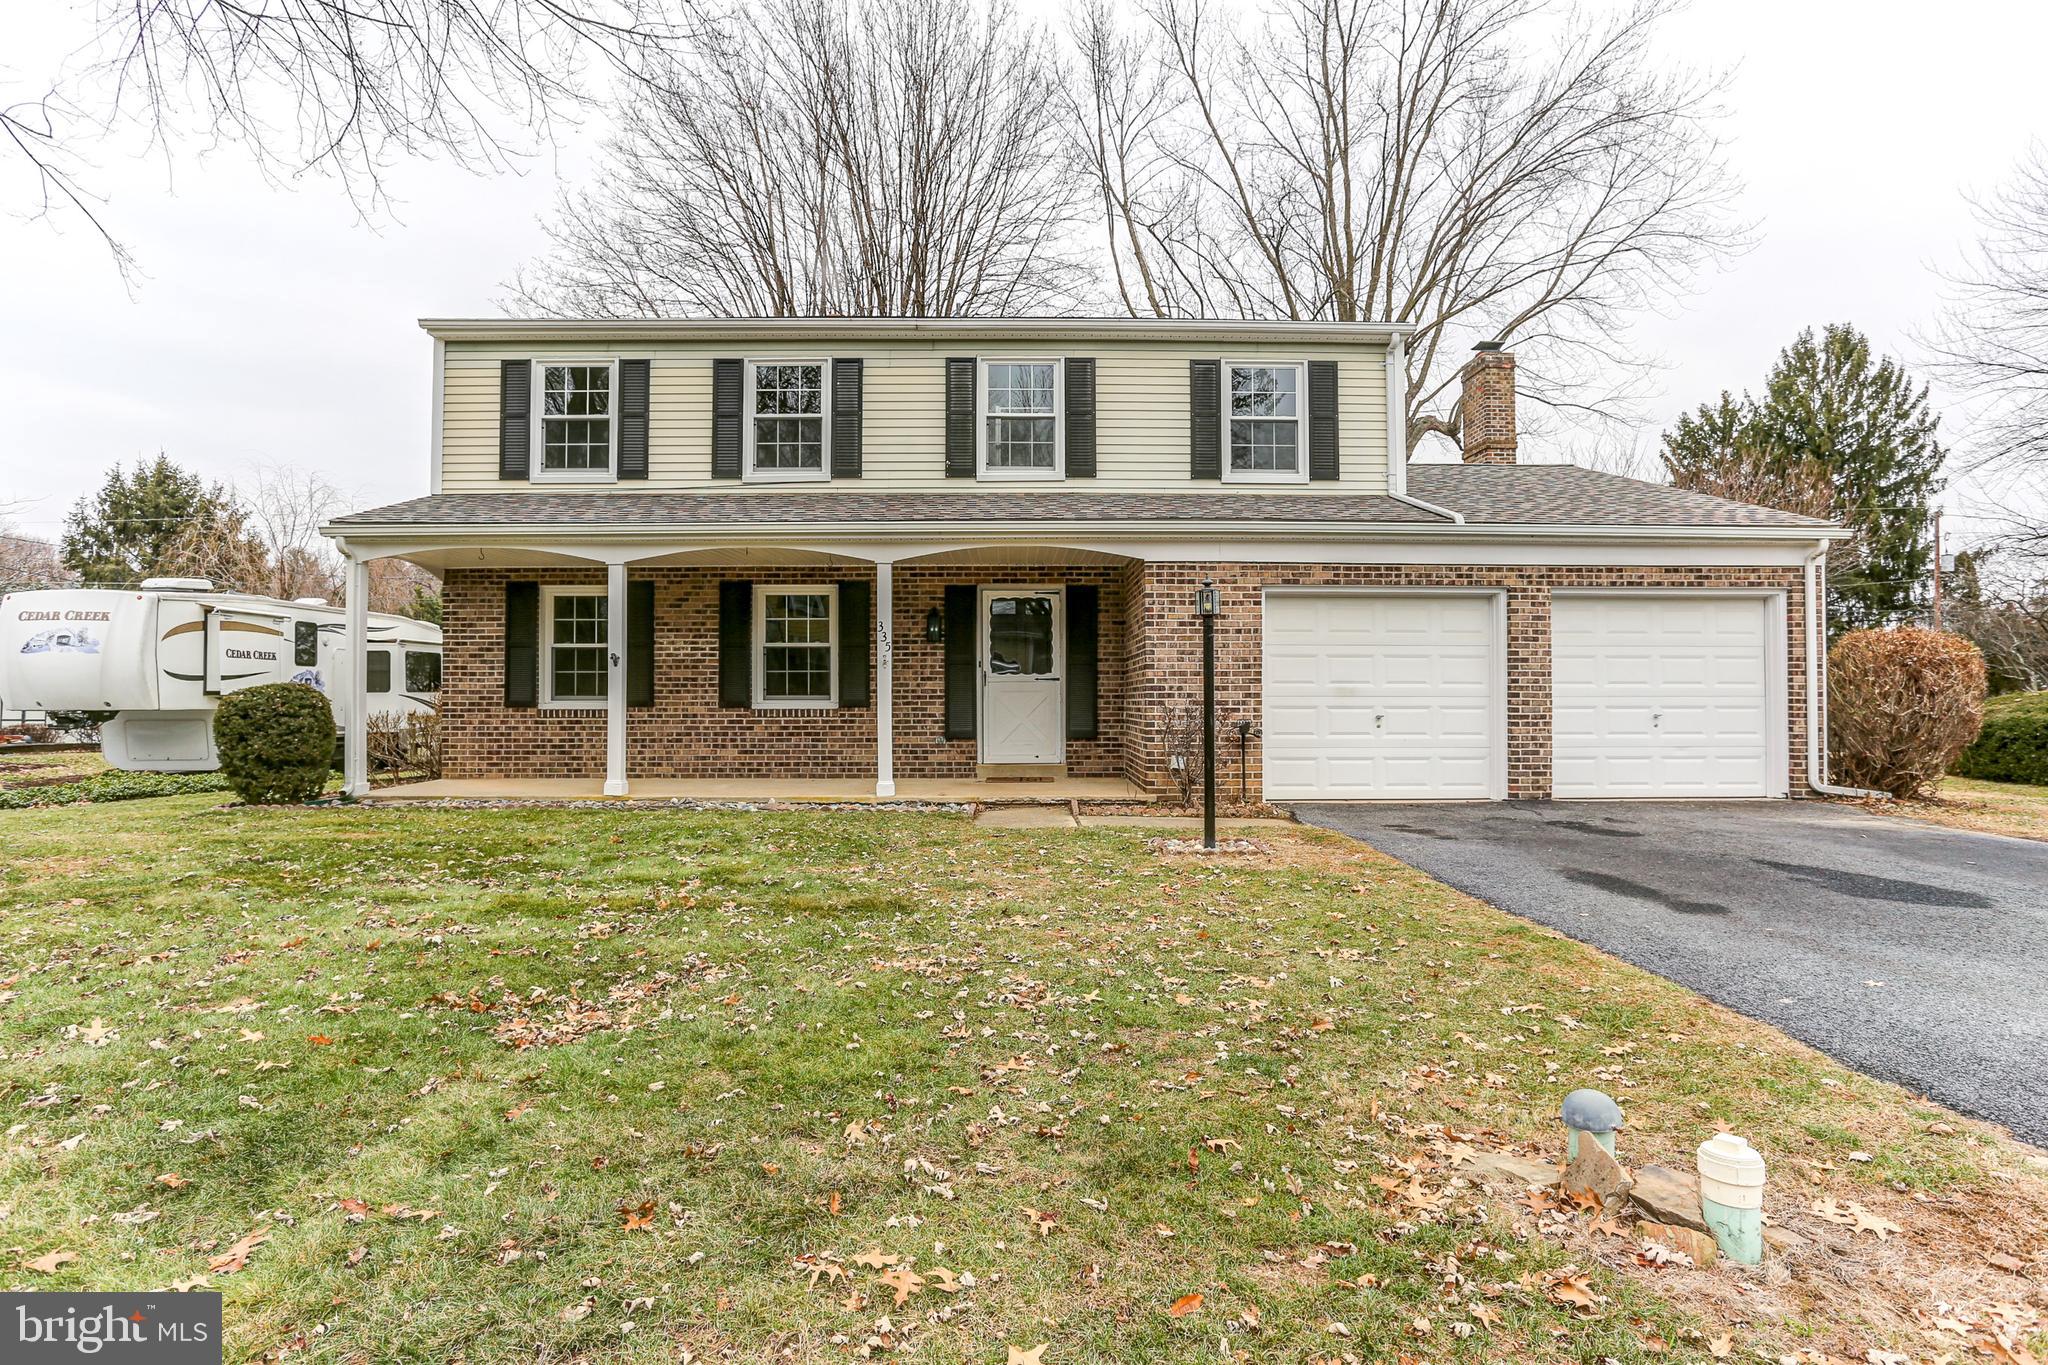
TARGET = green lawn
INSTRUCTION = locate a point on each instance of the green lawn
(549, 1085)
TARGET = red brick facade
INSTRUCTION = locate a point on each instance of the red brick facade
(1150, 663)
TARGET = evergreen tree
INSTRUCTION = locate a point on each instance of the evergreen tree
(1857, 425)
(127, 531)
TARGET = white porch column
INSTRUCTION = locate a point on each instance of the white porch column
(355, 687)
(885, 679)
(615, 681)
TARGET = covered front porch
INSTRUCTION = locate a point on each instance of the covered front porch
(579, 667)
(824, 791)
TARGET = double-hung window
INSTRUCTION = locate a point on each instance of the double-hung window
(788, 419)
(573, 636)
(1020, 419)
(794, 645)
(573, 426)
(1265, 401)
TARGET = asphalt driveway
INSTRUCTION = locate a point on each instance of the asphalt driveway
(1910, 952)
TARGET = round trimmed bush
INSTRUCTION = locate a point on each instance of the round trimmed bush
(276, 742)
(2013, 745)
(1901, 705)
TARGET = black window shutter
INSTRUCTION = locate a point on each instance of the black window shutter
(727, 384)
(522, 644)
(846, 408)
(633, 383)
(1322, 419)
(1083, 626)
(735, 644)
(1080, 401)
(962, 628)
(960, 419)
(640, 644)
(515, 419)
(1205, 419)
(855, 631)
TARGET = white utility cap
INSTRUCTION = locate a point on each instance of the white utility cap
(177, 585)
(1731, 1172)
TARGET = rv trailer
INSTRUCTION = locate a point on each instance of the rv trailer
(159, 658)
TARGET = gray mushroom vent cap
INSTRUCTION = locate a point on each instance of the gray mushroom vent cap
(1590, 1111)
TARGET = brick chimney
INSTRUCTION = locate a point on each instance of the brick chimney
(1486, 417)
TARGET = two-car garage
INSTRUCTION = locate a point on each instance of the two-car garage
(1404, 694)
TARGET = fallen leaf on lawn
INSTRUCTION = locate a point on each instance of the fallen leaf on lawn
(173, 1179)
(1042, 1223)
(516, 1110)
(402, 1211)
(1184, 1305)
(356, 1254)
(237, 1256)
(577, 1312)
(1020, 1356)
(639, 1215)
(188, 1286)
(904, 1281)
(320, 1040)
(1853, 1215)
(1574, 1292)
(47, 1265)
(1721, 1347)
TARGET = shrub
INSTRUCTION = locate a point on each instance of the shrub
(276, 741)
(1901, 705)
(2013, 745)
(405, 744)
(111, 786)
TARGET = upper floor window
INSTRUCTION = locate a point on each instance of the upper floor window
(575, 419)
(1020, 419)
(1265, 404)
(573, 632)
(788, 425)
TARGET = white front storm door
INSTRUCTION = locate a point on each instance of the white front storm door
(1023, 684)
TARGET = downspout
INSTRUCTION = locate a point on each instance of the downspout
(1816, 694)
(1397, 435)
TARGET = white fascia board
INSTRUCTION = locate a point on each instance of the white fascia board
(832, 329)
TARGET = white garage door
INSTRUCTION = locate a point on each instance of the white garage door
(1662, 696)
(1373, 695)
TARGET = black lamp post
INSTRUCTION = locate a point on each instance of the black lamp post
(1207, 604)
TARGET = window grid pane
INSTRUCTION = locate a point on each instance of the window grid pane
(789, 423)
(1265, 425)
(576, 647)
(576, 423)
(796, 654)
(1020, 443)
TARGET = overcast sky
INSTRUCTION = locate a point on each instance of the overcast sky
(272, 325)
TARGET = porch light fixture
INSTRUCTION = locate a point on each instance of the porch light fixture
(934, 626)
(1208, 601)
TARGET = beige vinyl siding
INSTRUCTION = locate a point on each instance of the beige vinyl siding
(1141, 412)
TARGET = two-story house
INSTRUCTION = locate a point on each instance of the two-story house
(899, 551)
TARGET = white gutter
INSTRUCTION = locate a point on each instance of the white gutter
(707, 329)
(1152, 529)
(1397, 436)
(1816, 694)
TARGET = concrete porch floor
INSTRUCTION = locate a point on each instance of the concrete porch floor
(856, 790)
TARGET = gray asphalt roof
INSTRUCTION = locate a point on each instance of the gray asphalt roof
(1505, 495)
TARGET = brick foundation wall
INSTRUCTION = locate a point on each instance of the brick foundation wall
(1166, 663)
(687, 734)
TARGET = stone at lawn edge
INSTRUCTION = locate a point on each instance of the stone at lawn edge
(1598, 1174)
(1783, 1239)
(1669, 1196)
(1518, 1170)
(1691, 1241)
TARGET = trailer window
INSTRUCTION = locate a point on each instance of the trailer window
(306, 643)
(422, 671)
(380, 670)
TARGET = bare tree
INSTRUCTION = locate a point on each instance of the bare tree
(321, 85)
(1484, 169)
(28, 562)
(893, 158)
(270, 543)
(1992, 342)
